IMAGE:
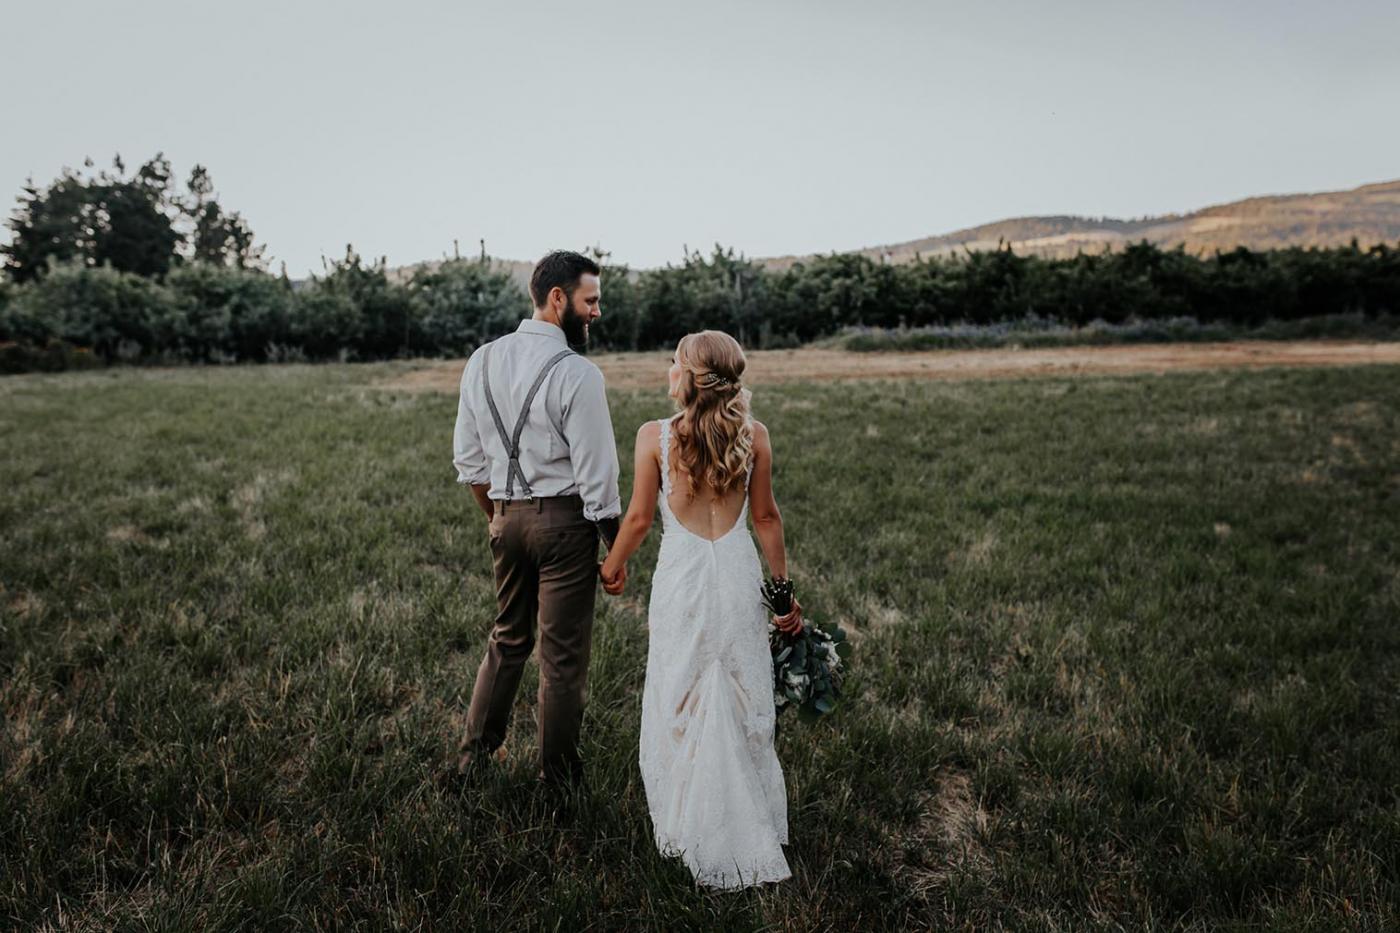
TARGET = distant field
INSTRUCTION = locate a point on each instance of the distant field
(776, 367)
(1127, 643)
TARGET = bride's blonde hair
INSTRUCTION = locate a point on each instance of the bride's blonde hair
(714, 437)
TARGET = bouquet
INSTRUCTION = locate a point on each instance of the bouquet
(809, 664)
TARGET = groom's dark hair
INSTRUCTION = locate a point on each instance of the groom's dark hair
(562, 268)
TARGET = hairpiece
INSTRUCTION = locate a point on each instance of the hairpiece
(714, 380)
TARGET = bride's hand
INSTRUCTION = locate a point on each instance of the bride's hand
(614, 578)
(792, 622)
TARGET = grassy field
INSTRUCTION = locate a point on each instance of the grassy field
(1128, 657)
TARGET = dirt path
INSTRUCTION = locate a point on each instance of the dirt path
(644, 370)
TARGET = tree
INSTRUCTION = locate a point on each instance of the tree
(462, 303)
(385, 308)
(620, 324)
(105, 219)
(725, 292)
(135, 224)
(216, 237)
(50, 224)
(132, 219)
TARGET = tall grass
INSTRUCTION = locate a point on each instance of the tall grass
(1127, 646)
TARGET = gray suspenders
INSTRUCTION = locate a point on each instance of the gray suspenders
(513, 445)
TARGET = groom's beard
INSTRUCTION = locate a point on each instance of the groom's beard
(575, 328)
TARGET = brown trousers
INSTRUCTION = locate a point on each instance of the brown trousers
(546, 564)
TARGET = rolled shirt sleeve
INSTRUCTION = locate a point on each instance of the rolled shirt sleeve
(593, 452)
(468, 456)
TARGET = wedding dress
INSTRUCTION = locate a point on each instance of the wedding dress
(713, 783)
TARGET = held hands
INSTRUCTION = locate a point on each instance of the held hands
(614, 576)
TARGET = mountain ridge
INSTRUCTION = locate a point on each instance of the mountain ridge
(1369, 213)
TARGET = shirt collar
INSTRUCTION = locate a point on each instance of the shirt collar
(542, 329)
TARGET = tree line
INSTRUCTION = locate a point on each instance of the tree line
(114, 266)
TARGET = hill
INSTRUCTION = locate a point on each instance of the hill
(1369, 214)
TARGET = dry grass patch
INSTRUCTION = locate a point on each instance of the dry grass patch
(949, 837)
(248, 498)
(128, 533)
(647, 370)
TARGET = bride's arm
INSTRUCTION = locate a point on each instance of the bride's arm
(646, 481)
(767, 520)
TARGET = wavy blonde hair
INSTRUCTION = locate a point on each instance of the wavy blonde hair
(714, 437)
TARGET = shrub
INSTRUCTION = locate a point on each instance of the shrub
(324, 319)
(229, 312)
(461, 304)
(47, 356)
(98, 307)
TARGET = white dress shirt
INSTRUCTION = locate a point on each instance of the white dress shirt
(567, 445)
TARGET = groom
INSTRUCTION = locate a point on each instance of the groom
(534, 440)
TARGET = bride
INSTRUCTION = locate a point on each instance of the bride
(714, 786)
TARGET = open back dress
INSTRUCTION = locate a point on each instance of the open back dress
(713, 783)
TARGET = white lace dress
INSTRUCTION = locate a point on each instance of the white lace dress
(713, 782)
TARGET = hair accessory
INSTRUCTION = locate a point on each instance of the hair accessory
(714, 380)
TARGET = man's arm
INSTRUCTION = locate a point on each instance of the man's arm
(467, 454)
(609, 527)
(483, 501)
(592, 451)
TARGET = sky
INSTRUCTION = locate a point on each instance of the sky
(648, 127)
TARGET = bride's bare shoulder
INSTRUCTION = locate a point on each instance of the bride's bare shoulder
(760, 434)
(649, 434)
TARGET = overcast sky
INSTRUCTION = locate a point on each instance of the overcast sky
(773, 127)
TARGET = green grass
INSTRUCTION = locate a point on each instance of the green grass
(1128, 656)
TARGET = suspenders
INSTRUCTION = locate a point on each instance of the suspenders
(513, 445)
